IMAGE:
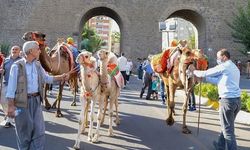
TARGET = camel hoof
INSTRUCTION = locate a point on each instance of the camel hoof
(47, 106)
(95, 139)
(110, 132)
(53, 106)
(73, 104)
(59, 114)
(117, 122)
(101, 122)
(170, 121)
(82, 131)
(76, 147)
(185, 130)
(89, 139)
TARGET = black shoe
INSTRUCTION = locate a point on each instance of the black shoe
(7, 125)
(141, 94)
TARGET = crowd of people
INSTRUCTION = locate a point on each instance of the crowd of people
(125, 66)
(21, 90)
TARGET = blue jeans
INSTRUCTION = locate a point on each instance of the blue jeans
(191, 100)
(162, 89)
(229, 108)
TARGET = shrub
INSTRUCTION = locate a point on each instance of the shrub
(244, 96)
(210, 91)
(248, 104)
(207, 90)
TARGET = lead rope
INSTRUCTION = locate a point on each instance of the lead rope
(199, 112)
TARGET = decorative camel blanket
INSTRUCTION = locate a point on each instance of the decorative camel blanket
(115, 74)
(164, 61)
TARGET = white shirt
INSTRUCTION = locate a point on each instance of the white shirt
(129, 65)
(122, 62)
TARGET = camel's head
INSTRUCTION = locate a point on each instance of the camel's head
(191, 60)
(85, 58)
(103, 54)
(34, 36)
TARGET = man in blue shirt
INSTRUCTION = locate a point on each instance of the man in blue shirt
(227, 77)
(147, 78)
(14, 56)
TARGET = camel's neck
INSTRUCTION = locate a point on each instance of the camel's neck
(45, 59)
(103, 71)
(88, 77)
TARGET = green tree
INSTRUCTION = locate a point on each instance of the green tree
(240, 26)
(5, 49)
(192, 41)
(92, 42)
(115, 37)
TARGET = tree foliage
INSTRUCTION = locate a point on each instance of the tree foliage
(5, 49)
(240, 26)
(191, 40)
(92, 42)
(115, 37)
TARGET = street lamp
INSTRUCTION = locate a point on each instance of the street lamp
(163, 28)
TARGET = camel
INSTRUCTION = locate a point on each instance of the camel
(58, 62)
(109, 85)
(181, 76)
(90, 93)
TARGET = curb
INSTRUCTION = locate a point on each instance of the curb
(242, 116)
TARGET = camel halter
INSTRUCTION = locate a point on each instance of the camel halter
(88, 93)
(199, 110)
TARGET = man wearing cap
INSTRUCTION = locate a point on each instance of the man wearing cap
(72, 45)
(24, 97)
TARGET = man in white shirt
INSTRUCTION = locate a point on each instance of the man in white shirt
(122, 62)
(129, 68)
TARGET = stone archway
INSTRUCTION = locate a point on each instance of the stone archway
(197, 20)
(105, 12)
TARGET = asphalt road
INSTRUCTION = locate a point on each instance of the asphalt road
(142, 127)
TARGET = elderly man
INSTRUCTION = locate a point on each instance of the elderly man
(14, 56)
(24, 97)
(227, 76)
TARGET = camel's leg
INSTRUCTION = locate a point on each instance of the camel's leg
(58, 101)
(184, 109)
(171, 104)
(77, 142)
(47, 104)
(99, 117)
(74, 88)
(86, 110)
(117, 120)
(91, 119)
(81, 126)
(105, 109)
(111, 103)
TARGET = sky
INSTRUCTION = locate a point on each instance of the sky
(115, 27)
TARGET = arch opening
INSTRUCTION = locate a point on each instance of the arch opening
(115, 22)
(190, 19)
